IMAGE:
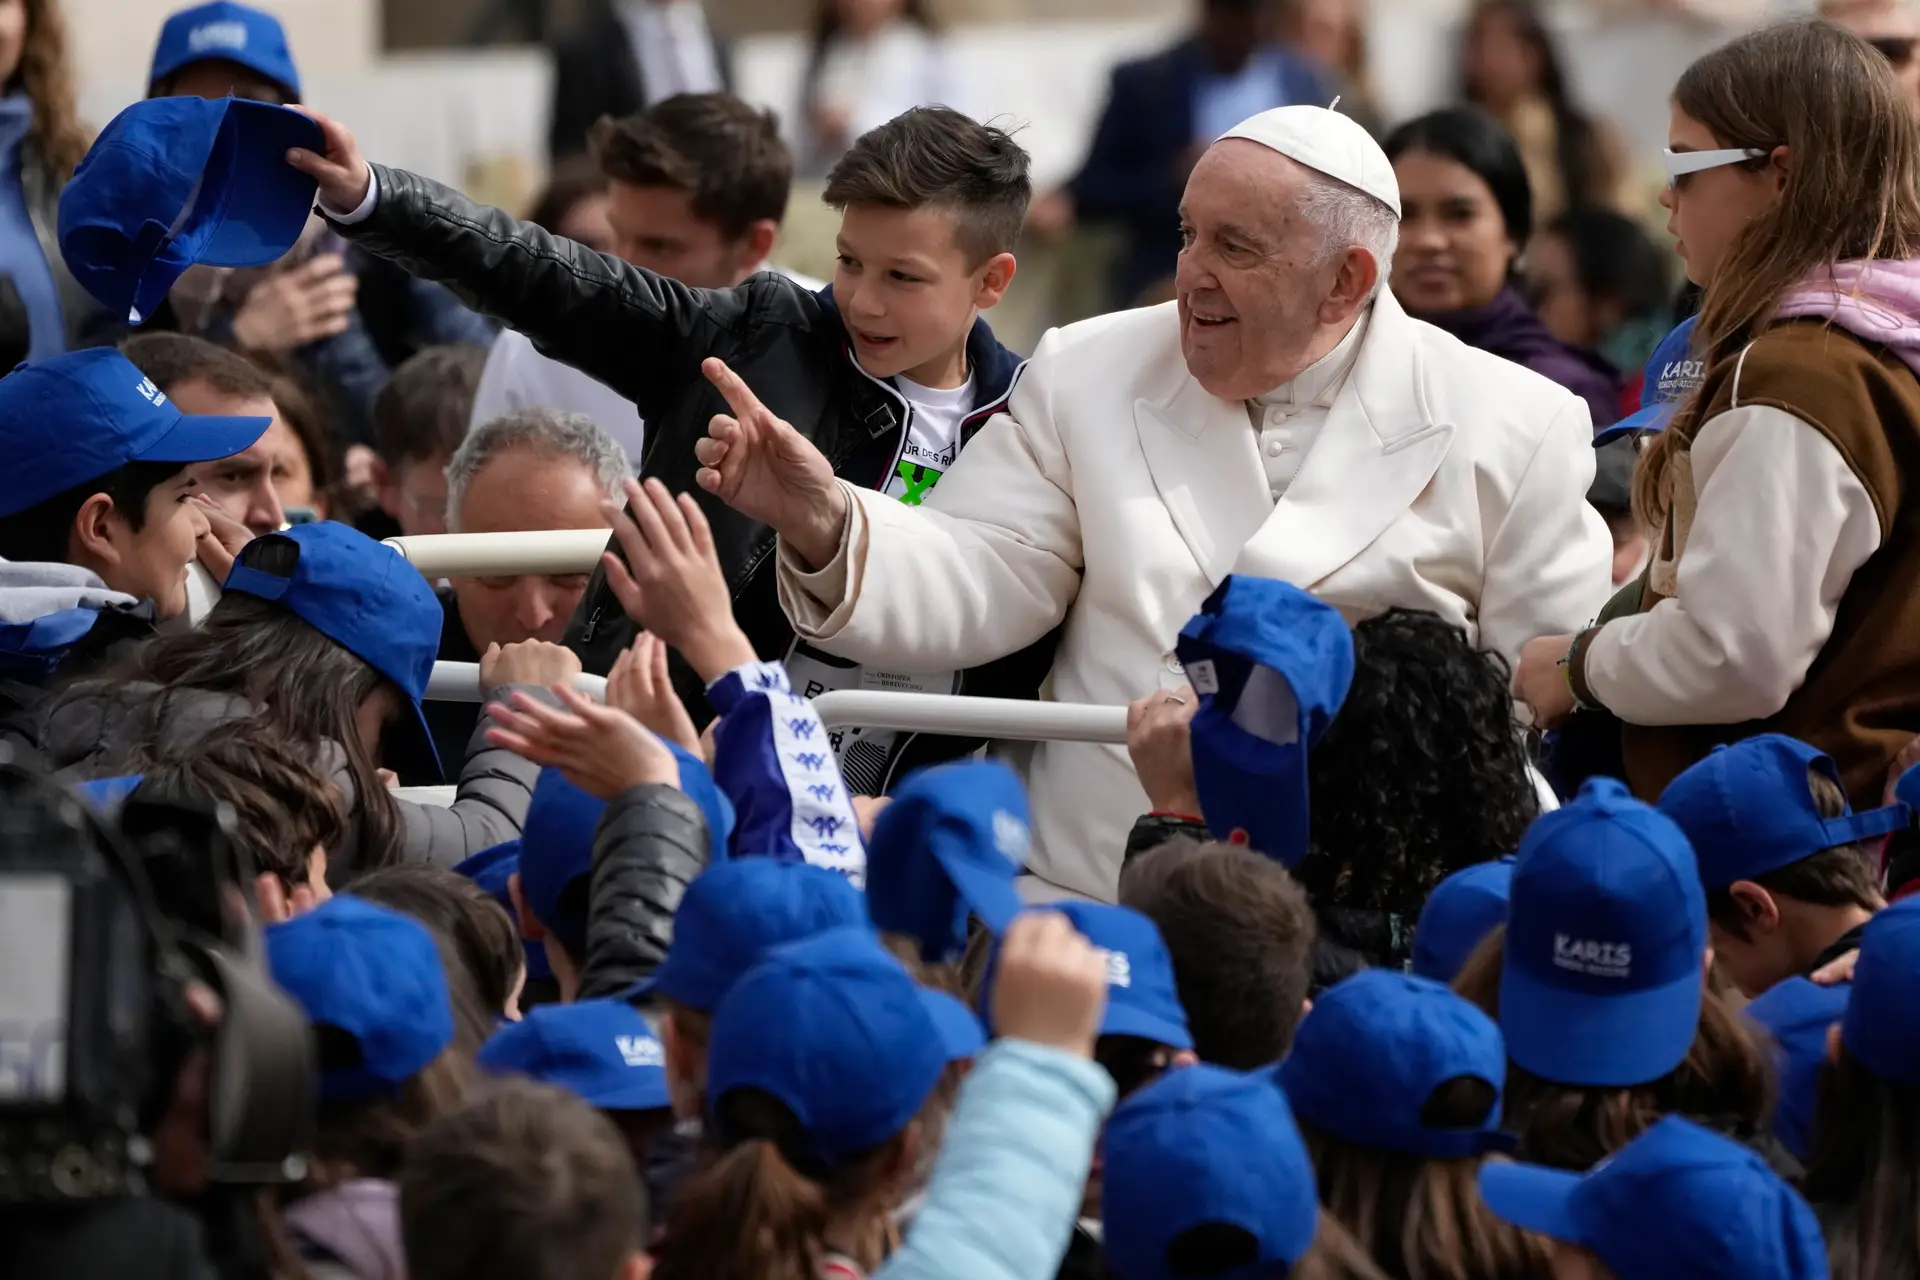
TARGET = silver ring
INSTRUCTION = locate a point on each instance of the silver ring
(1175, 699)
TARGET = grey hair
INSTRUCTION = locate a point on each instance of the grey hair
(1350, 218)
(553, 433)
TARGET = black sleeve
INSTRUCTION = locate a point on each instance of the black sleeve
(1151, 830)
(642, 334)
(651, 843)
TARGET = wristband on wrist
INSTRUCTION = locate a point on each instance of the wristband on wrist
(1574, 664)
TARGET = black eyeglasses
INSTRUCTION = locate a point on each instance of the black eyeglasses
(1895, 49)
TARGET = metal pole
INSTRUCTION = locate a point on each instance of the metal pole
(460, 682)
(503, 555)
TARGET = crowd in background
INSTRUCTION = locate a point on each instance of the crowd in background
(644, 999)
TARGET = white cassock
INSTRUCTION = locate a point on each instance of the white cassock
(1115, 493)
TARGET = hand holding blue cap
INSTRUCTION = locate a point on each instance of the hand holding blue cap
(1204, 1147)
(949, 846)
(1748, 809)
(1678, 1200)
(1673, 374)
(1271, 666)
(171, 182)
(1603, 968)
(1142, 998)
(1372, 1052)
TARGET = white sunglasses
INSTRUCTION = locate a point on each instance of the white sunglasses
(1681, 163)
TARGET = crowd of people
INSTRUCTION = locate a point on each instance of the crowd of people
(1503, 873)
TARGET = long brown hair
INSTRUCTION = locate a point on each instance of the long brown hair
(1423, 1219)
(1852, 188)
(1335, 1255)
(46, 74)
(752, 1212)
(1725, 1083)
(1864, 1173)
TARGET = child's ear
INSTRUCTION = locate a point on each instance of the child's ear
(757, 245)
(92, 542)
(1758, 910)
(994, 279)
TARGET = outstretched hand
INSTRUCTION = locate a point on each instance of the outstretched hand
(670, 580)
(342, 172)
(761, 467)
(639, 685)
(601, 750)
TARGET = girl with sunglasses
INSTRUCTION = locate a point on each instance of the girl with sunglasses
(1779, 597)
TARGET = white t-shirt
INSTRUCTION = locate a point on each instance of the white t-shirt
(933, 438)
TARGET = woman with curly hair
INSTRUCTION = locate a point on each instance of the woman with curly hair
(1420, 774)
(43, 312)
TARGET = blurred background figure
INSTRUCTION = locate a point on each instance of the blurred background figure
(43, 311)
(1466, 216)
(1161, 113)
(870, 60)
(625, 55)
(1510, 68)
(1334, 34)
(1599, 282)
(574, 204)
(1890, 26)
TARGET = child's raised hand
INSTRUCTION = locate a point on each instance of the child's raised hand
(601, 750)
(340, 169)
(1050, 984)
(638, 685)
(671, 582)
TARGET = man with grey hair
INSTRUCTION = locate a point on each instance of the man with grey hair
(1283, 418)
(527, 470)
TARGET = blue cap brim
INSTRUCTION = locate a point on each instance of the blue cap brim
(269, 201)
(1120, 1020)
(1613, 1041)
(1653, 417)
(1532, 1198)
(961, 1034)
(991, 897)
(205, 438)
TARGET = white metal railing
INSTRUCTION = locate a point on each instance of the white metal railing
(503, 555)
(1006, 719)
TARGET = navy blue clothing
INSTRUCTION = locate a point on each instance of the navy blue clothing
(1134, 173)
(1507, 327)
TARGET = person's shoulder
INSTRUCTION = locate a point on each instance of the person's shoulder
(1117, 351)
(1465, 374)
(1810, 354)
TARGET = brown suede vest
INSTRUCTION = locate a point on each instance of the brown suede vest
(1860, 702)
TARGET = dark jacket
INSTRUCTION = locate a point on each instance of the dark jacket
(644, 336)
(1134, 173)
(1507, 327)
(595, 74)
(652, 841)
(96, 729)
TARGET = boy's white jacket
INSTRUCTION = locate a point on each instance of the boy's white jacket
(1115, 492)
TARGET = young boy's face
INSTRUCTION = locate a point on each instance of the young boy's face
(907, 293)
(150, 562)
(415, 494)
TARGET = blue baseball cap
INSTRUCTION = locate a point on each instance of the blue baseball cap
(1142, 998)
(1271, 666)
(171, 182)
(374, 974)
(1881, 1027)
(1601, 973)
(1206, 1147)
(1678, 1200)
(230, 33)
(698, 785)
(949, 846)
(834, 1027)
(1371, 1053)
(491, 869)
(1797, 1014)
(960, 1031)
(735, 912)
(1748, 809)
(556, 850)
(363, 596)
(1672, 375)
(75, 417)
(1460, 912)
(602, 1050)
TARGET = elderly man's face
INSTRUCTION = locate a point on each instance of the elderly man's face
(1252, 281)
(519, 490)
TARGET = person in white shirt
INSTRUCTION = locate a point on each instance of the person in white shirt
(871, 60)
(697, 186)
(1284, 418)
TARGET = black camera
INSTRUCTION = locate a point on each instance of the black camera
(97, 958)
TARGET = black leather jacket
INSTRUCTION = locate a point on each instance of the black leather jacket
(644, 336)
(651, 843)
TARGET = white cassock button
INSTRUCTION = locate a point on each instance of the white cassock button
(1275, 448)
(1275, 493)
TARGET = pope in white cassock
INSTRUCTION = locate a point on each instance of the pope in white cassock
(1284, 417)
